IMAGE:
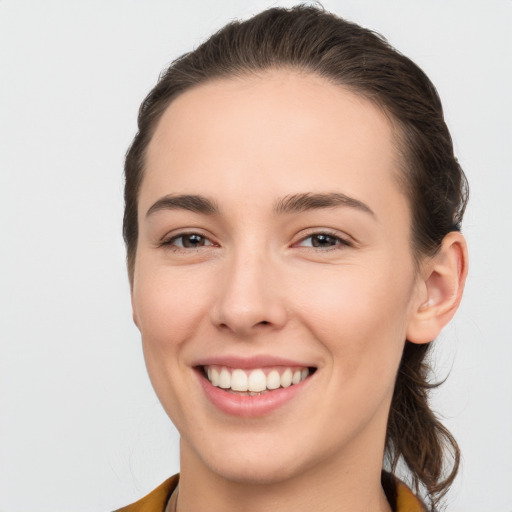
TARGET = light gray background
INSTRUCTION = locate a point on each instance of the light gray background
(81, 429)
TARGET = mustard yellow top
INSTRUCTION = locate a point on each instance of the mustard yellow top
(156, 501)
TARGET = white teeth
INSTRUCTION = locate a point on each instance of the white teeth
(239, 380)
(213, 375)
(257, 381)
(286, 378)
(224, 379)
(273, 380)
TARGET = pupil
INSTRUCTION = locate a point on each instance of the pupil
(323, 240)
(192, 240)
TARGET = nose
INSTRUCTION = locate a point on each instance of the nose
(250, 297)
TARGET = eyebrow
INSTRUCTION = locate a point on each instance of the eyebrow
(310, 201)
(295, 203)
(191, 202)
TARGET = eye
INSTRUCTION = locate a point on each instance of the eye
(188, 241)
(323, 241)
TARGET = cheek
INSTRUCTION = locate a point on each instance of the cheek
(169, 306)
(360, 314)
(166, 300)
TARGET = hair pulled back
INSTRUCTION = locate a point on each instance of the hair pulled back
(312, 40)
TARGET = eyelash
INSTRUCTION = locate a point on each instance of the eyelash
(339, 242)
(169, 242)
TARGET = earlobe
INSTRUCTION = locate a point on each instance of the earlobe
(442, 285)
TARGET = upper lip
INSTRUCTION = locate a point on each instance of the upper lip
(258, 361)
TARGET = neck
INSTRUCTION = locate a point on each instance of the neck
(329, 487)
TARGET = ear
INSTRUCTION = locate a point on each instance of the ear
(440, 290)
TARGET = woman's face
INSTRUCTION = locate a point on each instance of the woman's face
(274, 241)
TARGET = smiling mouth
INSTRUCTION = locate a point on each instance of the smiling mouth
(256, 381)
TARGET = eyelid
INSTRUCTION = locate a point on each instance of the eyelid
(345, 239)
(168, 238)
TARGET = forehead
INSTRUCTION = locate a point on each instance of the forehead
(280, 132)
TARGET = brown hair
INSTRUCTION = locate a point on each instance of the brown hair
(312, 40)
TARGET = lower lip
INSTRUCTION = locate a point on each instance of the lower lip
(250, 406)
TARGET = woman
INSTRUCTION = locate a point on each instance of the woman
(292, 222)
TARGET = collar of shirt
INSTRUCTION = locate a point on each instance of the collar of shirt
(156, 501)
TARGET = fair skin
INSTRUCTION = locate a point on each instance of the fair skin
(261, 281)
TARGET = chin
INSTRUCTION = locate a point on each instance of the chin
(256, 473)
(256, 459)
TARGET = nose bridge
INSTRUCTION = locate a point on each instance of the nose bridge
(249, 291)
